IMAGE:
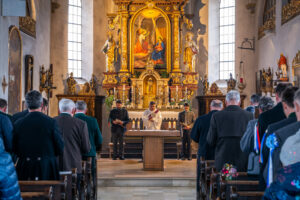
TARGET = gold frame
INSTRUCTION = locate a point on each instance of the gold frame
(11, 28)
(295, 65)
(132, 20)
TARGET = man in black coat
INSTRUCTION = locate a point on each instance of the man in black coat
(37, 142)
(289, 111)
(118, 118)
(274, 115)
(226, 130)
(199, 134)
(280, 137)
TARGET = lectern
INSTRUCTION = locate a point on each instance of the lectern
(153, 144)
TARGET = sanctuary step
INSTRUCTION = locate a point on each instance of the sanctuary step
(130, 173)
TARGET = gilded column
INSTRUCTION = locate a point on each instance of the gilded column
(176, 40)
(124, 39)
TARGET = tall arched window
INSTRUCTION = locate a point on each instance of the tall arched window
(74, 38)
(227, 38)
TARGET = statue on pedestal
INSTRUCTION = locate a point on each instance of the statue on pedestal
(109, 49)
(190, 50)
(282, 66)
(71, 82)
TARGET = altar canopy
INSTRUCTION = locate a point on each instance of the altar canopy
(144, 64)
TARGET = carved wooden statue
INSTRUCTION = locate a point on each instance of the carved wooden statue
(71, 82)
(109, 49)
(190, 50)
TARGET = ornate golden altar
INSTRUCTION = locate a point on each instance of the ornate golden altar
(150, 54)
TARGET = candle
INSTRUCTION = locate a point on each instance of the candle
(241, 80)
(114, 90)
(176, 88)
(169, 125)
(124, 87)
(174, 124)
(138, 124)
(133, 124)
(132, 89)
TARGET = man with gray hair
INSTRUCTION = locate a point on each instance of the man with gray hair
(199, 134)
(94, 134)
(226, 130)
(37, 142)
(76, 137)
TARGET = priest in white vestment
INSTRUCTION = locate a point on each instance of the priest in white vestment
(152, 117)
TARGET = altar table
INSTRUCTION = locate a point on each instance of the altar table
(153, 146)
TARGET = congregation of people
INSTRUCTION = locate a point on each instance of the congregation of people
(34, 146)
(262, 140)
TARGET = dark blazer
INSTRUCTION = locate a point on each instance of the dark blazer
(226, 130)
(6, 134)
(94, 133)
(37, 141)
(276, 114)
(19, 115)
(199, 135)
(281, 135)
(120, 114)
(264, 149)
(9, 187)
(76, 137)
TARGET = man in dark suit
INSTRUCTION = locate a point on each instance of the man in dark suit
(76, 137)
(199, 134)
(94, 133)
(118, 118)
(289, 111)
(186, 121)
(226, 130)
(276, 114)
(276, 140)
(3, 108)
(37, 142)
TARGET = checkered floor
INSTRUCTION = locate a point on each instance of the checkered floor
(147, 193)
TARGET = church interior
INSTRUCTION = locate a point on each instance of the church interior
(185, 57)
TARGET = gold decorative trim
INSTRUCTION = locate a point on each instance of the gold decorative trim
(27, 25)
(296, 63)
(268, 26)
(290, 11)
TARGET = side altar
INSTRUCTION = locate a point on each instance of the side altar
(148, 55)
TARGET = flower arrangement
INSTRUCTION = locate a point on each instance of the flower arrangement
(229, 171)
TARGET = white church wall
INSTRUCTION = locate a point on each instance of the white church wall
(39, 47)
(284, 40)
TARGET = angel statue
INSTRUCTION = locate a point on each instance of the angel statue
(190, 50)
(109, 49)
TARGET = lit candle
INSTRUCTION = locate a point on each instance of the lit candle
(133, 124)
(169, 125)
(174, 124)
(138, 124)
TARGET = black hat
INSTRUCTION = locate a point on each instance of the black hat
(119, 101)
(186, 104)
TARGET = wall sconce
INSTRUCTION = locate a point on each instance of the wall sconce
(248, 44)
(251, 4)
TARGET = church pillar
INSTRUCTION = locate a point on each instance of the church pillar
(176, 40)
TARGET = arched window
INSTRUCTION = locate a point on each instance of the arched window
(75, 38)
(227, 38)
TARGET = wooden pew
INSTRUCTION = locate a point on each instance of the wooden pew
(205, 170)
(44, 195)
(66, 177)
(42, 186)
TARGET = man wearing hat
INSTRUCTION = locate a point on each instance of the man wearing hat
(118, 118)
(186, 121)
